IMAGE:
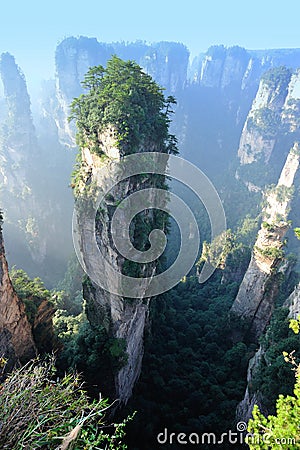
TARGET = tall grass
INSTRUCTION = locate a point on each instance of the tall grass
(39, 412)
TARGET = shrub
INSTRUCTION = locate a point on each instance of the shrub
(40, 413)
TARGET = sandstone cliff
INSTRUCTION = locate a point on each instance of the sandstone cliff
(123, 318)
(257, 292)
(252, 397)
(221, 67)
(136, 125)
(263, 124)
(18, 148)
(16, 341)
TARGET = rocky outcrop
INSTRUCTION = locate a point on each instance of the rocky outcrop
(34, 177)
(263, 123)
(258, 290)
(16, 340)
(73, 58)
(253, 397)
(293, 303)
(245, 407)
(291, 107)
(123, 318)
(17, 131)
(167, 64)
(223, 67)
(18, 148)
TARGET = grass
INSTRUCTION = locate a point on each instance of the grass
(39, 412)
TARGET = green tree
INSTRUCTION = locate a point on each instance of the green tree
(281, 430)
(125, 99)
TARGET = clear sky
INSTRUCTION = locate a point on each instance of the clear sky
(30, 29)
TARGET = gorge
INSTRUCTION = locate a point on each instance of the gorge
(181, 359)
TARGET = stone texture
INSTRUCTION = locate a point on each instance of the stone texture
(122, 318)
(258, 290)
(251, 398)
(16, 341)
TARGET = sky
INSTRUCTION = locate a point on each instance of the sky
(31, 30)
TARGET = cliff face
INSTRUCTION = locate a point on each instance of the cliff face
(16, 341)
(17, 131)
(255, 298)
(222, 67)
(124, 319)
(271, 127)
(73, 59)
(34, 179)
(263, 124)
(112, 238)
(251, 398)
(245, 407)
(18, 148)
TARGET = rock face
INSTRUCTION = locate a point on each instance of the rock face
(16, 341)
(245, 407)
(34, 181)
(18, 148)
(293, 303)
(124, 319)
(263, 123)
(18, 134)
(251, 398)
(255, 298)
(222, 67)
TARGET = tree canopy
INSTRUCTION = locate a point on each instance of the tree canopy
(124, 98)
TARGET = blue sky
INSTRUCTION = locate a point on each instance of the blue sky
(30, 30)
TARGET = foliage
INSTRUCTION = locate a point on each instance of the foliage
(277, 77)
(265, 121)
(90, 350)
(40, 413)
(280, 430)
(284, 193)
(40, 306)
(271, 252)
(231, 250)
(273, 377)
(70, 289)
(127, 101)
(246, 233)
(295, 325)
(193, 373)
(217, 252)
(297, 232)
(26, 287)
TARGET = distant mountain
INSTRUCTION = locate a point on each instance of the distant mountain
(215, 94)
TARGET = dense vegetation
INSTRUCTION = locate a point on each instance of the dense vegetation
(274, 376)
(39, 411)
(40, 305)
(194, 368)
(266, 121)
(125, 100)
(280, 430)
(277, 77)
